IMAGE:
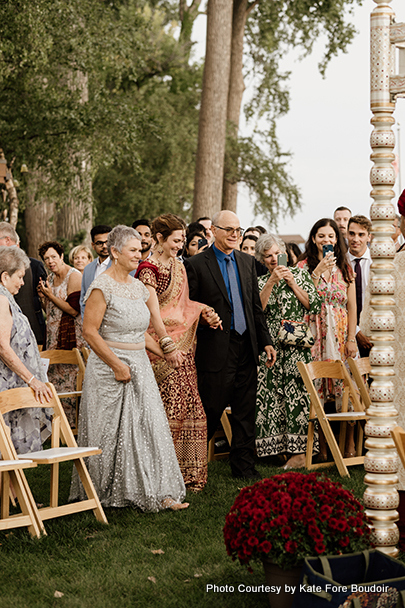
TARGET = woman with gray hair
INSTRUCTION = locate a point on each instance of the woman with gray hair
(121, 409)
(282, 403)
(20, 362)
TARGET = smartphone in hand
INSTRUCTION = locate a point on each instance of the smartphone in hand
(326, 249)
(282, 259)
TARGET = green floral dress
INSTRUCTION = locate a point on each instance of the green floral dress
(282, 402)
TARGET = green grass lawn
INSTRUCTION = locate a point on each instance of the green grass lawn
(97, 566)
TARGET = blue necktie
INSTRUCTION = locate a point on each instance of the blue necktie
(238, 312)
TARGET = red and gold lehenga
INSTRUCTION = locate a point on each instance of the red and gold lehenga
(178, 387)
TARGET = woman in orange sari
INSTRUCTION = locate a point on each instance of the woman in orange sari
(174, 320)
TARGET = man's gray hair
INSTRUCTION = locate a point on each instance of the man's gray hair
(6, 229)
(266, 242)
(13, 259)
(119, 236)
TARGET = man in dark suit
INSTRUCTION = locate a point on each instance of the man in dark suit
(227, 360)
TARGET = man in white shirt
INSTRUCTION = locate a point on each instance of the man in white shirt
(99, 236)
(358, 255)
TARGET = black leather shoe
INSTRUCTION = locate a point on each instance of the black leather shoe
(250, 475)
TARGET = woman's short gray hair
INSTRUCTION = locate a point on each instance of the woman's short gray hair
(119, 236)
(266, 242)
(13, 259)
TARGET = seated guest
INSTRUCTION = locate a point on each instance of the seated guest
(20, 362)
(121, 409)
(60, 296)
(79, 257)
(27, 298)
(282, 402)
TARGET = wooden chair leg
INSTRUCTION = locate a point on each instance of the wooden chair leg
(54, 493)
(90, 490)
(211, 449)
(310, 444)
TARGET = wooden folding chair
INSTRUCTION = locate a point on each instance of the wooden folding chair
(360, 370)
(11, 471)
(398, 435)
(22, 398)
(336, 370)
(226, 431)
(85, 354)
(69, 357)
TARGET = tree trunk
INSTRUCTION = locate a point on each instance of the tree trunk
(188, 15)
(235, 94)
(39, 216)
(13, 200)
(212, 120)
(76, 215)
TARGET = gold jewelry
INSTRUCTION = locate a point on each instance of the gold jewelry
(351, 340)
(159, 249)
(115, 261)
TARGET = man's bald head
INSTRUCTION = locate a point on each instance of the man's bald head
(227, 232)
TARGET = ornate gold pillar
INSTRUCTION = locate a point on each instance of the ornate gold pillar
(381, 461)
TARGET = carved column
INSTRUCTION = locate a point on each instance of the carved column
(381, 461)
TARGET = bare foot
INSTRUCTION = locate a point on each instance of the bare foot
(171, 504)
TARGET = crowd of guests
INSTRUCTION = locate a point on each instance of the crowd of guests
(181, 322)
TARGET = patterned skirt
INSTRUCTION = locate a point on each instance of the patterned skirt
(187, 422)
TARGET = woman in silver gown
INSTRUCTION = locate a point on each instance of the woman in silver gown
(121, 410)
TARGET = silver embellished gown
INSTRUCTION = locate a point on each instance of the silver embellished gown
(138, 466)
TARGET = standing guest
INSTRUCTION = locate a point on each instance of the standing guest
(60, 295)
(20, 362)
(207, 223)
(342, 216)
(358, 255)
(143, 228)
(225, 279)
(248, 244)
(335, 326)
(79, 257)
(192, 244)
(282, 403)
(175, 319)
(121, 410)
(27, 297)
(99, 236)
(293, 253)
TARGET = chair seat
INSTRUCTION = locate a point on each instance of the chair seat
(345, 416)
(10, 465)
(65, 453)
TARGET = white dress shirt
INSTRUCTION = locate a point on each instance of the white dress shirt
(365, 264)
(100, 268)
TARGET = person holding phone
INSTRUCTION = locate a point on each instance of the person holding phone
(335, 326)
(282, 403)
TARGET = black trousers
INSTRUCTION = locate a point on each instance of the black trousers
(234, 385)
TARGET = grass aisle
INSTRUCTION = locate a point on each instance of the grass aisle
(97, 566)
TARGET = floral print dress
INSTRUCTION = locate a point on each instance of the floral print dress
(282, 402)
(330, 329)
(61, 375)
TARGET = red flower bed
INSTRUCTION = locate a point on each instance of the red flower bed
(294, 515)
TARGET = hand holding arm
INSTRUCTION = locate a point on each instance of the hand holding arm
(271, 355)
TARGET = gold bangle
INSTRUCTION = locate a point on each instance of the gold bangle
(351, 340)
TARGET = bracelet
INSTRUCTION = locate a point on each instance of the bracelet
(350, 340)
(315, 276)
(167, 345)
(30, 380)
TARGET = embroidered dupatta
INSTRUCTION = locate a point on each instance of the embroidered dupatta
(180, 315)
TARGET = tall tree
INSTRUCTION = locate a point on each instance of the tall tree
(212, 121)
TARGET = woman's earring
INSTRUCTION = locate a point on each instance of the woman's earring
(115, 261)
(159, 249)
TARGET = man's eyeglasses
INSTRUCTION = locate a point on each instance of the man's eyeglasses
(100, 243)
(229, 231)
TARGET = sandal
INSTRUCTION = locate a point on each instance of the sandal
(173, 505)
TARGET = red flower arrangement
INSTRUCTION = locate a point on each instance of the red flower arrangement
(294, 515)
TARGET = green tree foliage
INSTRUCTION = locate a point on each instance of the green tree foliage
(106, 81)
